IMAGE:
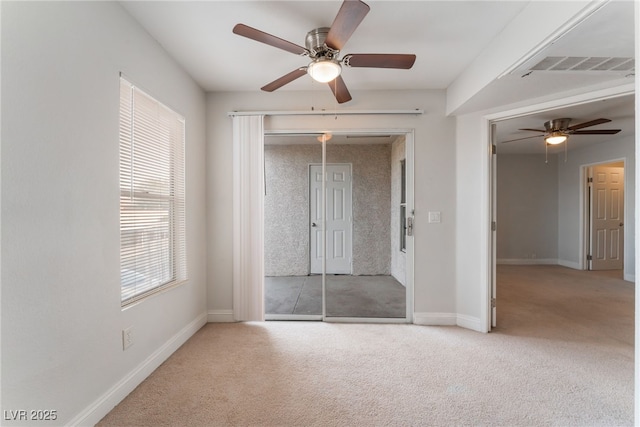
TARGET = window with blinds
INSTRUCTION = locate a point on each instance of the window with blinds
(152, 195)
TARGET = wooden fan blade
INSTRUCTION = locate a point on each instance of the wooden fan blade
(380, 60)
(350, 15)
(266, 38)
(596, 132)
(534, 130)
(287, 78)
(339, 89)
(520, 139)
(587, 124)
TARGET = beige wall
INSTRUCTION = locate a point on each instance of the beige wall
(287, 206)
(527, 208)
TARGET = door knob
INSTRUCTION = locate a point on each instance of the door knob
(313, 224)
(621, 224)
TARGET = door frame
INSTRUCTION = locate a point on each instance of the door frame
(409, 135)
(585, 225)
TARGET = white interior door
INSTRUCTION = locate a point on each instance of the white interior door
(338, 221)
(607, 218)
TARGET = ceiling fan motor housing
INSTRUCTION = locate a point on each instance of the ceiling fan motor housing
(557, 125)
(315, 43)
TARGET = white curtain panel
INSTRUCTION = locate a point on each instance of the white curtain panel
(248, 218)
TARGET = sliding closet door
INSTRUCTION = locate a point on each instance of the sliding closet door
(364, 233)
(336, 231)
(292, 229)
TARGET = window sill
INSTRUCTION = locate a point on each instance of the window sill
(151, 293)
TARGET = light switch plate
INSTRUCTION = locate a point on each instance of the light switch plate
(434, 217)
(127, 337)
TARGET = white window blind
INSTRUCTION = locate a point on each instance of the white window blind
(152, 195)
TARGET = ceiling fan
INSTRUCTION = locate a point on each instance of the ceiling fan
(323, 46)
(557, 131)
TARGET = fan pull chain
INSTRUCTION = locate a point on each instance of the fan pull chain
(335, 103)
(546, 152)
(566, 143)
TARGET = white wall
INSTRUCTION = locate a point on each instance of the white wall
(527, 208)
(472, 220)
(434, 181)
(571, 203)
(61, 313)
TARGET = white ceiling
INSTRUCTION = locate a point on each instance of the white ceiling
(446, 36)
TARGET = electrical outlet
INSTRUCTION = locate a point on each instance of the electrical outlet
(127, 337)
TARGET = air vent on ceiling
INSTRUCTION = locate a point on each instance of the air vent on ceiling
(584, 63)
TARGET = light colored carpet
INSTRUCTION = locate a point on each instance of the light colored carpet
(563, 356)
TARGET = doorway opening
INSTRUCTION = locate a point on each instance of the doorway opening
(333, 228)
(552, 196)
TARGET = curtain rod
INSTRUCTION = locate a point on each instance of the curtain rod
(325, 113)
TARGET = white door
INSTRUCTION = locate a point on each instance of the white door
(338, 222)
(607, 218)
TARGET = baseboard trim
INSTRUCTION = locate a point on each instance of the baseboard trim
(220, 316)
(630, 278)
(527, 261)
(539, 261)
(105, 403)
(448, 319)
(569, 264)
(435, 319)
(469, 322)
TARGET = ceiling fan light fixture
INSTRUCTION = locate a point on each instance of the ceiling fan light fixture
(556, 138)
(324, 70)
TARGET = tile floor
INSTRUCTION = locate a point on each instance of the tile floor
(347, 296)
